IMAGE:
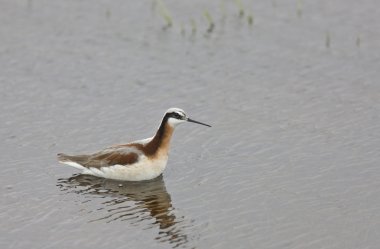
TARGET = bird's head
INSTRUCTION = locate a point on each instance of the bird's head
(176, 116)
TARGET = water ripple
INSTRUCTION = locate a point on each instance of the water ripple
(135, 202)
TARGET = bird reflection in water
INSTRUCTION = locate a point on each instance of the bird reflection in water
(131, 201)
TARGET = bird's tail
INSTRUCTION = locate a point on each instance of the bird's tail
(74, 161)
(63, 157)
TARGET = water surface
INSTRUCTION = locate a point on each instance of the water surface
(294, 100)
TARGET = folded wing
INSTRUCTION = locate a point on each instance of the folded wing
(104, 158)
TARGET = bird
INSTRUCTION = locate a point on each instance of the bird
(139, 160)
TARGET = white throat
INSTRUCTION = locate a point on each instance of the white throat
(173, 122)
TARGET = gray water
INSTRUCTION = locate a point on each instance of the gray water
(290, 87)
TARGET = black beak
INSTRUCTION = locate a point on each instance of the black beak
(193, 121)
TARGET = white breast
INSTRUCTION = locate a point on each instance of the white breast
(144, 169)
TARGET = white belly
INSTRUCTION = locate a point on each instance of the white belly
(144, 169)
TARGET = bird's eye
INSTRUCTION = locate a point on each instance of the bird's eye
(176, 115)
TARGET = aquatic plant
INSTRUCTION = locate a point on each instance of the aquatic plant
(193, 26)
(250, 19)
(164, 12)
(299, 8)
(328, 39)
(108, 13)
(240, 6)
(223, 10)
(211, 24)
(358, 41)
(183, 31)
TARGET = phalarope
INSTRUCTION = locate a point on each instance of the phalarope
(136, 161)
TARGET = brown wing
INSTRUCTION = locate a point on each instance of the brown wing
(112, 158)
(102, 159)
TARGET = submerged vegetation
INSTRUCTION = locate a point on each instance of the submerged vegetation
(193, 26)
(299, 8)
(244, 14)
(210, 21)
(328, 40)
(358, 40)
(250, 19)
(240, 6)
(160, 8)
(164, 12)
